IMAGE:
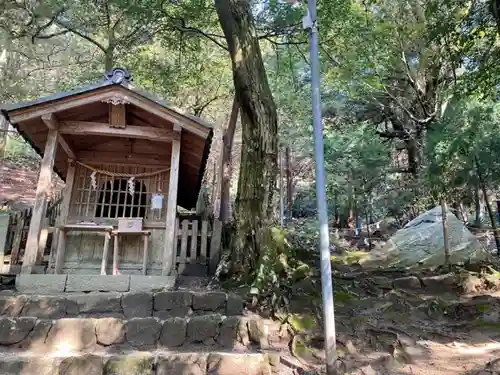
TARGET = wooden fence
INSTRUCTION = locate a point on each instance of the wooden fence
(197, 246)
(17, 232)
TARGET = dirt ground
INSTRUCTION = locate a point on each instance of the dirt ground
(18, 184)
(396, 324)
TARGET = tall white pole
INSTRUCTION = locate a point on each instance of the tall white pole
(309, 23)
(282, 204)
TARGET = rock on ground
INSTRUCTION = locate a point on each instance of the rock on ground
(421, 243)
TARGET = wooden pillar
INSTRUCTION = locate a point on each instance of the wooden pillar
(168, 256)
(59, 246)
(39, 209)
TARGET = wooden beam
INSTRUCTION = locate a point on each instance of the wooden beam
(171, 115)
(111, 157)
(40, 207)
(53, 124)
(63, 217)
(168, 253)
(36, 111)
(108, 93)
(137, 159)
(117, 116)
(131, 131)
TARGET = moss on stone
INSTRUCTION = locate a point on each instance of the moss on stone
(141, 364)
(303, 322)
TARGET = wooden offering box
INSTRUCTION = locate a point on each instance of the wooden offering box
(126, 224)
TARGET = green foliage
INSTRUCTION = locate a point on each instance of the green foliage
(349, 257)
(18, 149)
(274, 259)
(466, 138)
(356, 164)
(302, 322)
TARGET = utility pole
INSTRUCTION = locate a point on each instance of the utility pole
(282, 205)
(309, 23)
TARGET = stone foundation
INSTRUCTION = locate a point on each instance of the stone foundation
(144, 363)
(105, 335)
(46, 284)
(162, 305)
(134, 320)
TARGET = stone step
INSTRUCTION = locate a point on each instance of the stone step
(142, 363)
(50, 283)
(93, 335)
(125, 305)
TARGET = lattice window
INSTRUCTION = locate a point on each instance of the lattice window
(116, 201)
(110, 198)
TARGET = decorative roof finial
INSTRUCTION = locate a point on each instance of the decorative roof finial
(118, 75)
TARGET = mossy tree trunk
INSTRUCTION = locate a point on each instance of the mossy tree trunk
(227, 148)
(259, 132)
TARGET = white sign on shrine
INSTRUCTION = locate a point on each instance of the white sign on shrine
(157, 201)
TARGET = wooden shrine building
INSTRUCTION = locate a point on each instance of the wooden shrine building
(128, 161)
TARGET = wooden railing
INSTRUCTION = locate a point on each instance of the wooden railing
(198, 243)
(17, 232)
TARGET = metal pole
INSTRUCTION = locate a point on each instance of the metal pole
(309, 22)
(282, 205)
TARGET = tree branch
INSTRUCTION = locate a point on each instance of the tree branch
(48, 36)
(80, 34)
(288, 43)
(391, 134)
(180, 25)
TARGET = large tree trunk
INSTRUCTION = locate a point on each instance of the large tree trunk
(227, 148)
(109, 57)
(259, 128)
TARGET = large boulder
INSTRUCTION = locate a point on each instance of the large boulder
(421, 243)
(385, 228)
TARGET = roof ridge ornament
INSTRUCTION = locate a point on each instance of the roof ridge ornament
(118, 76)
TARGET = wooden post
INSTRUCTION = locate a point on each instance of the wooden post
(42, 192)
(105, 252)
(204, 238)
(215, 247)
(116, 255)
(42, 240)
(444, 214)
(61, 247)
(168, 252)
(62, 218)
(4, 234)
(145, 254)
(18, 236)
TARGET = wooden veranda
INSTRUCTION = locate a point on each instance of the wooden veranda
(128, 159)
